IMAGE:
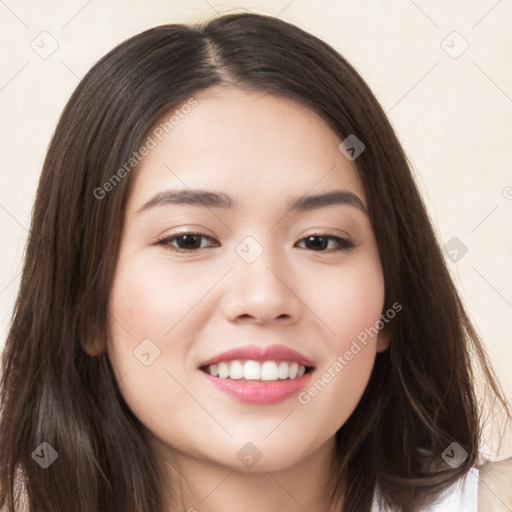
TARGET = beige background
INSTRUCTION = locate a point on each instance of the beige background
(451, 106)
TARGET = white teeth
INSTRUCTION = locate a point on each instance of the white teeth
(294, 369)
(223, 370)
(236, 370)
(269, 371)
(284, 370)
(252, 370)
(256, 370)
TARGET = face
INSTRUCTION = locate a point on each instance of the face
(246, 315)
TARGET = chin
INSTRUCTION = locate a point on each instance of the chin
(259, 456)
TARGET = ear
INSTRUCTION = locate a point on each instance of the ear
(93, 347)
(383, 339)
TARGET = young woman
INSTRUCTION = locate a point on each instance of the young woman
(233, 298)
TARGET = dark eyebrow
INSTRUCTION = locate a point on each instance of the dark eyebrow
(335, 197)
(192, 197)
(220, 200)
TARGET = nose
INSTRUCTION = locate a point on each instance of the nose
(263, 292)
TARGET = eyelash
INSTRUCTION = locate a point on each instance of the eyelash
(344, 244)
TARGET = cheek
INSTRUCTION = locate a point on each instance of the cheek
(152, 322)
(350, 301)
(351, 305)
(150, 300)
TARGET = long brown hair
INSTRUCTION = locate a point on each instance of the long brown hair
(421, 396)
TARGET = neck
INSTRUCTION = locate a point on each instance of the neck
(197, 485)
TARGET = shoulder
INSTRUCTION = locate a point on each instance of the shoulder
(495, 486)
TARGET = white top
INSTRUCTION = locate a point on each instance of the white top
(462, 496)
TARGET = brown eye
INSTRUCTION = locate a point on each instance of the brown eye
(319, 243)
(185, 242)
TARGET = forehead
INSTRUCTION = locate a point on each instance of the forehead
(248, 144)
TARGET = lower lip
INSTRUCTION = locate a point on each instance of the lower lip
(259, 392)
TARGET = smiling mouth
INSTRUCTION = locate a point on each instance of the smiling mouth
(257, 371)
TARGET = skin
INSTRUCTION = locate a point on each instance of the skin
(494, 491)
(262, 150)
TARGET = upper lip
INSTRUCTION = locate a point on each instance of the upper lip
(258, 353)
